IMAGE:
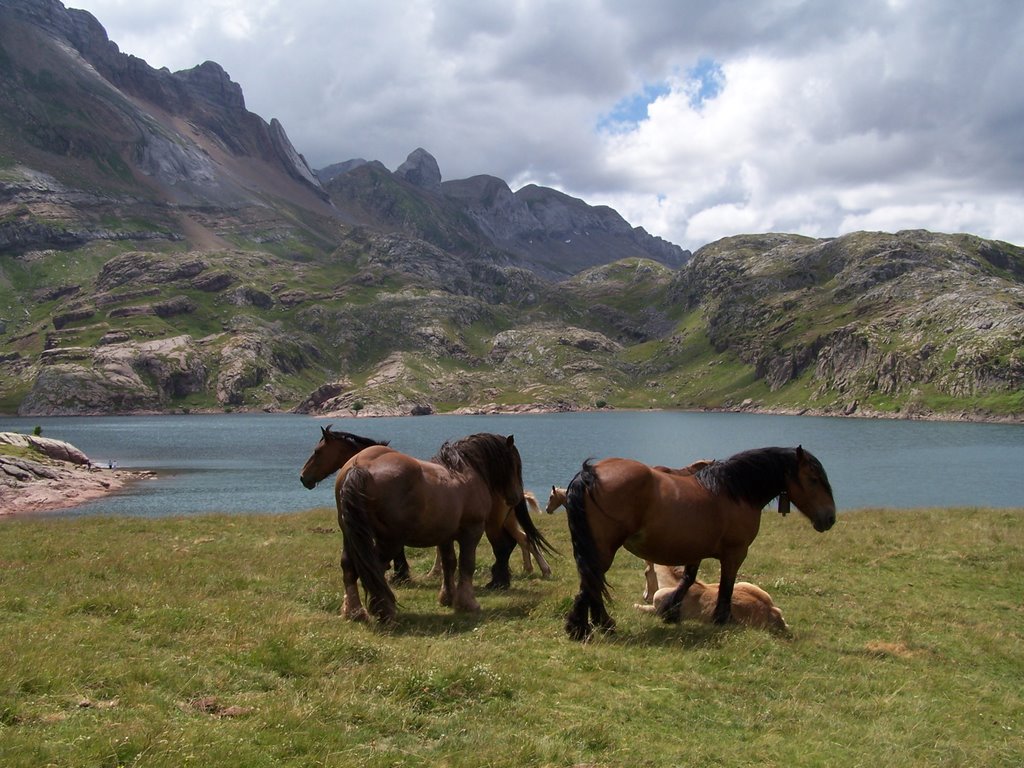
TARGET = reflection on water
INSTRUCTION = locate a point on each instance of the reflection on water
(250, 462)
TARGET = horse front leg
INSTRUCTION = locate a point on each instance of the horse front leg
(351, 606)
(502, 544)
(731, 562)
(445, 563)
(671, 609)
(465, 600)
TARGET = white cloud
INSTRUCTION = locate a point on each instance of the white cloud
(827, 116)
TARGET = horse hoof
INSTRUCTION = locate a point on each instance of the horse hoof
(580, 633)
(361, 615)
(492, 584)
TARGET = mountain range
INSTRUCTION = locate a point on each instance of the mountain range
(164, 249)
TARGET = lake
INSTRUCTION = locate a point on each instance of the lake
(249, 463)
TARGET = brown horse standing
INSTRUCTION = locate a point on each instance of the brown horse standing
(331, 454)
(682, 518)
(336, 448)
(387, 500)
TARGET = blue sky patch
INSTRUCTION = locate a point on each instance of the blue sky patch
(707, 80)
(632, 110)
(704, 81)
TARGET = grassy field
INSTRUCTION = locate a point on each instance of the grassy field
(217, 641)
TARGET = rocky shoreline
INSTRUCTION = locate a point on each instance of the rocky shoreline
(41, 475)
(852, 411)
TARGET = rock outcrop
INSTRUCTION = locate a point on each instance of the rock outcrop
(41, 474)
(421, 170)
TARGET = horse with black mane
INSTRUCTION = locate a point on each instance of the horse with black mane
(331, 454)
(668, 517)
(387, 500)
(334, 450)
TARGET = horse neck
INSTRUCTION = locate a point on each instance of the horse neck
(757, 476)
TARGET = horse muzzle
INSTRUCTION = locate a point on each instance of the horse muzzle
(310, 484)
(825, 520)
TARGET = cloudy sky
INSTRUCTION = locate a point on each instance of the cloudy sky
(695, 119)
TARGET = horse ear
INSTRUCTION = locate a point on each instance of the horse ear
(800, 453)
(325, 430)
(552, 489)
(510, 441)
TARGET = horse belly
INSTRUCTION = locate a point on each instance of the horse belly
(674, 545)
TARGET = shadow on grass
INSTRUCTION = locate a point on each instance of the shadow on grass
(440, 620)
(686, 634)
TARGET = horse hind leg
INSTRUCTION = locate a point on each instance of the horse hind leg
(402, 574)
(524, 547)
(577, 622)
(351, 606)
(599, 616)
(587, 614)
(545, 569)
(670, 610)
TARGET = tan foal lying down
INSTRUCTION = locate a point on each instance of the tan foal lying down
(751, 605)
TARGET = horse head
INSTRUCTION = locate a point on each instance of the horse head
(808, 488)
(315, 469)
(330, 455)
(555, 500)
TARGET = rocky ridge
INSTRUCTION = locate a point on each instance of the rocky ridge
(167, 250)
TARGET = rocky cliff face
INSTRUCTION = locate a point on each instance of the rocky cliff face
(869, 317)
(538, 228)
(72, 103)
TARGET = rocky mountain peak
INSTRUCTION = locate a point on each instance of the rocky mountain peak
(210, 82)
(420, 169)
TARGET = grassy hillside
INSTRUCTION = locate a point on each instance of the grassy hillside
(217, 641)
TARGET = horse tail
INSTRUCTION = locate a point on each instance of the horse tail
(584, 549)
(533, 534)
(359, 539)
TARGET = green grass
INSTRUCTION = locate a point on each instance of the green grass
(217, 641)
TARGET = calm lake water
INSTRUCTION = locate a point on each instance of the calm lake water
(250, 463)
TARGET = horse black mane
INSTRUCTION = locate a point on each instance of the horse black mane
(490, 455)
(349, 437)
(756, 476)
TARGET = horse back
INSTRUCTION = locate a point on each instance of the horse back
(418, 502)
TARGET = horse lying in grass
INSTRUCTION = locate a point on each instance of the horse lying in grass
(670, 518)
(751, 605)
(334, 450)
(387, 500)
